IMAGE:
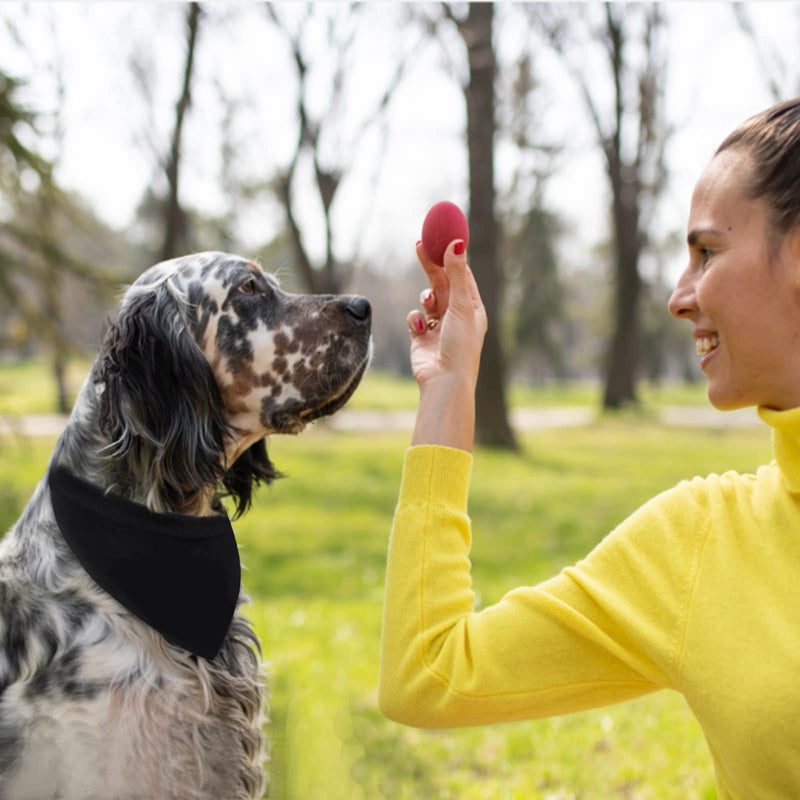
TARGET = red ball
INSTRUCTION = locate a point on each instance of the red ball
(443, 223)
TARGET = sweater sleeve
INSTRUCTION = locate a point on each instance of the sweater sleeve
(608, 629)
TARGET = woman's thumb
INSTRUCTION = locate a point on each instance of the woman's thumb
(455, 264)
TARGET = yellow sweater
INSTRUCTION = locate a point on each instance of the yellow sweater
(698, 591)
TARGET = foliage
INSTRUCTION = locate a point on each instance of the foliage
(41, 269)
(18, 164)
(314, 549)
(539, 316)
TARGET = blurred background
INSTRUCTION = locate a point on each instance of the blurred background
(314, 138)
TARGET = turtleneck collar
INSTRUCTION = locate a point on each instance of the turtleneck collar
(785, 442)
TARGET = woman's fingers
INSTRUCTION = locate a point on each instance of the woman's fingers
(436, 302)
(464, 297)
(436, 276)
(454, 283)
(430, 305)
(455, 265)
(416, 322)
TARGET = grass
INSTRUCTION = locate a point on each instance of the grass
(27, 387)
(314, 550)
(383, 391)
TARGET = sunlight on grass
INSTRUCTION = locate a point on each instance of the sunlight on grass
(27, 387)
(314, 547)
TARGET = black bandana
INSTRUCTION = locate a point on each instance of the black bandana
(179, 574)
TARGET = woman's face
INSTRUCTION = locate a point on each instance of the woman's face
(743, 300)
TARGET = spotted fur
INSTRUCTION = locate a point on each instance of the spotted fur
(205, 358)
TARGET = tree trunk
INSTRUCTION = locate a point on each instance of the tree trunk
(636, 173)
(623, 357)
(625, 180)
(175, 235)
(492, 427)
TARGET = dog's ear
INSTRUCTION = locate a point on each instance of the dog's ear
(252, 468)
(161, 407)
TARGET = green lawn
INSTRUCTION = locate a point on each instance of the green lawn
(27, 387)
(383, 391)
(314, 548)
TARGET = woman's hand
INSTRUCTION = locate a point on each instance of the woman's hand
(446, 341)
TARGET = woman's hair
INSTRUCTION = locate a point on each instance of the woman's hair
(772, 141)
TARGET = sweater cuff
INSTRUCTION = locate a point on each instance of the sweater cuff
(436, 475)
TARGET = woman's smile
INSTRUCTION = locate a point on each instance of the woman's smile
(706, 344)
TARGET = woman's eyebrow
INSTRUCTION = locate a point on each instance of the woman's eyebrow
(696, 233)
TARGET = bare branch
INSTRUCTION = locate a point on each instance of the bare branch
(175, 215)
(616, 43)
(742, 14)
(316, 130)
(284, 190)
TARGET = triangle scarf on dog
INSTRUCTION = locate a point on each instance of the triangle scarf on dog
(179, 574)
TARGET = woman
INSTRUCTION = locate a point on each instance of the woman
(699, 590)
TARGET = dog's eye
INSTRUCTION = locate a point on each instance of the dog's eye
(249, 287)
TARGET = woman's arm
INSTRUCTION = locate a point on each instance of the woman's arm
(606, 630)
(561, 646)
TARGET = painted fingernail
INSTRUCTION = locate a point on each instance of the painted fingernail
(426, 297)
(459, 248)
(418, 243)
(419, 325)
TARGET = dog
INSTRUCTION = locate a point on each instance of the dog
(103, 695)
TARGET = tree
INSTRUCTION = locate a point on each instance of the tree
(18, 164)
(315, 132)
(476, 29)
(175, 233)
(539, 311)
(632, 135)
(161, 212)
(779, 76)
(35, 257)
(534, 304)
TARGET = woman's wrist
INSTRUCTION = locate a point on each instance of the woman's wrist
(446, 413)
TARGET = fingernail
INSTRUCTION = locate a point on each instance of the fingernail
(419, 243)
(419, 325)
(426, 296)
(459, 248)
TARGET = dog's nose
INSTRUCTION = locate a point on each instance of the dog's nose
(359, 308)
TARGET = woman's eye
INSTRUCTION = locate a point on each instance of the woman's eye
(705, 254)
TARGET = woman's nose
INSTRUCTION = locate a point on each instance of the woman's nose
(683, 301)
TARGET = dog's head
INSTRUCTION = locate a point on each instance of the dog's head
(207, 356)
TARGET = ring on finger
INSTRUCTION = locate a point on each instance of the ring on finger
(432, 323)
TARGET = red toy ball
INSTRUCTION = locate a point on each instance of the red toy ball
(443, 223)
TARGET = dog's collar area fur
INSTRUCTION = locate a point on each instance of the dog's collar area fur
(178, 574)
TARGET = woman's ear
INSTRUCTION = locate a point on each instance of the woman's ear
(161, 407)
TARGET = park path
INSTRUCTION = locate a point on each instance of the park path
(556, 417)
(523, 419)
